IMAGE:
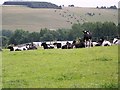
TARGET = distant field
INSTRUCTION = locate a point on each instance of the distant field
(19, 17)
(74, 68)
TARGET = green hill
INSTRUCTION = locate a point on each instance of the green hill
(33, 19)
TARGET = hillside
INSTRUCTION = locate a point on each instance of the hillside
(33, 19)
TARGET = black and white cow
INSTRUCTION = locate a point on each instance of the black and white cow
(95, 44)
(58, 45)
(17, 48)
(67, 46)
(47, 46)
(106, 43)
(116, 41)
(22, 47)
(87, 38)
(31, 46)
(103, 42)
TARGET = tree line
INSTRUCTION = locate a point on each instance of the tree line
(98, 30)
(104, 7)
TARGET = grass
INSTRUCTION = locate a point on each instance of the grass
(76, 68)
(19, 17)
(101, 15)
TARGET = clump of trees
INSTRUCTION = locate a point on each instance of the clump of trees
(71, 5)
(107, 30)
(104, 7)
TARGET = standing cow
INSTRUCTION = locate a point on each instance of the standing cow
(87, 38)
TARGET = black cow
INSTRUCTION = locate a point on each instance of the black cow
(44, 45)
(11, 48)
(79, 44)
(87, 38)
(64, 47)
(67, 46)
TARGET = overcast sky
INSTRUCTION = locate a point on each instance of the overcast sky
(79, 3)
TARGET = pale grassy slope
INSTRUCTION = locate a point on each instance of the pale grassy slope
(32, 19)
(19, 17)
(101, 15)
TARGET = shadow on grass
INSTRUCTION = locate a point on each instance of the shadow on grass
(109, 85)
(103, 59)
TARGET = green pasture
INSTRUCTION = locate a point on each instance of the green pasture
(95, 67)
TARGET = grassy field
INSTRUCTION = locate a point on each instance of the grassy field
(75, 68)
(19, 17)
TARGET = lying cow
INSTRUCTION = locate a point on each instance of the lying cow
(106, 43)
(103, 42)
(79, 44)
(47, 46)
(116, 41)
(16, 48)
(58, 45)
(31, 46)
(67, 46)
(22, 47)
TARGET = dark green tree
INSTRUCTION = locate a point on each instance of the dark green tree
(118, 30)
(4, 41)
(19, 37)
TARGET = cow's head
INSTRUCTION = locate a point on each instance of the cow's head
(11, 48)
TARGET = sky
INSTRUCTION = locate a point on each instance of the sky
(77, 3)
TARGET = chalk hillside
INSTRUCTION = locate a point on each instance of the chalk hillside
(33, 19)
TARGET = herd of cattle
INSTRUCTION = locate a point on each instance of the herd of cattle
(85, 42)
(63, 45)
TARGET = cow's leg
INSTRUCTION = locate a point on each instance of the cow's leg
(90, 43)
(85, 43)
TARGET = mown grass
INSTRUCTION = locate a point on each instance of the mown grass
(75, 68)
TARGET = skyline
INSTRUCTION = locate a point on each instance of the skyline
(77, 3)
